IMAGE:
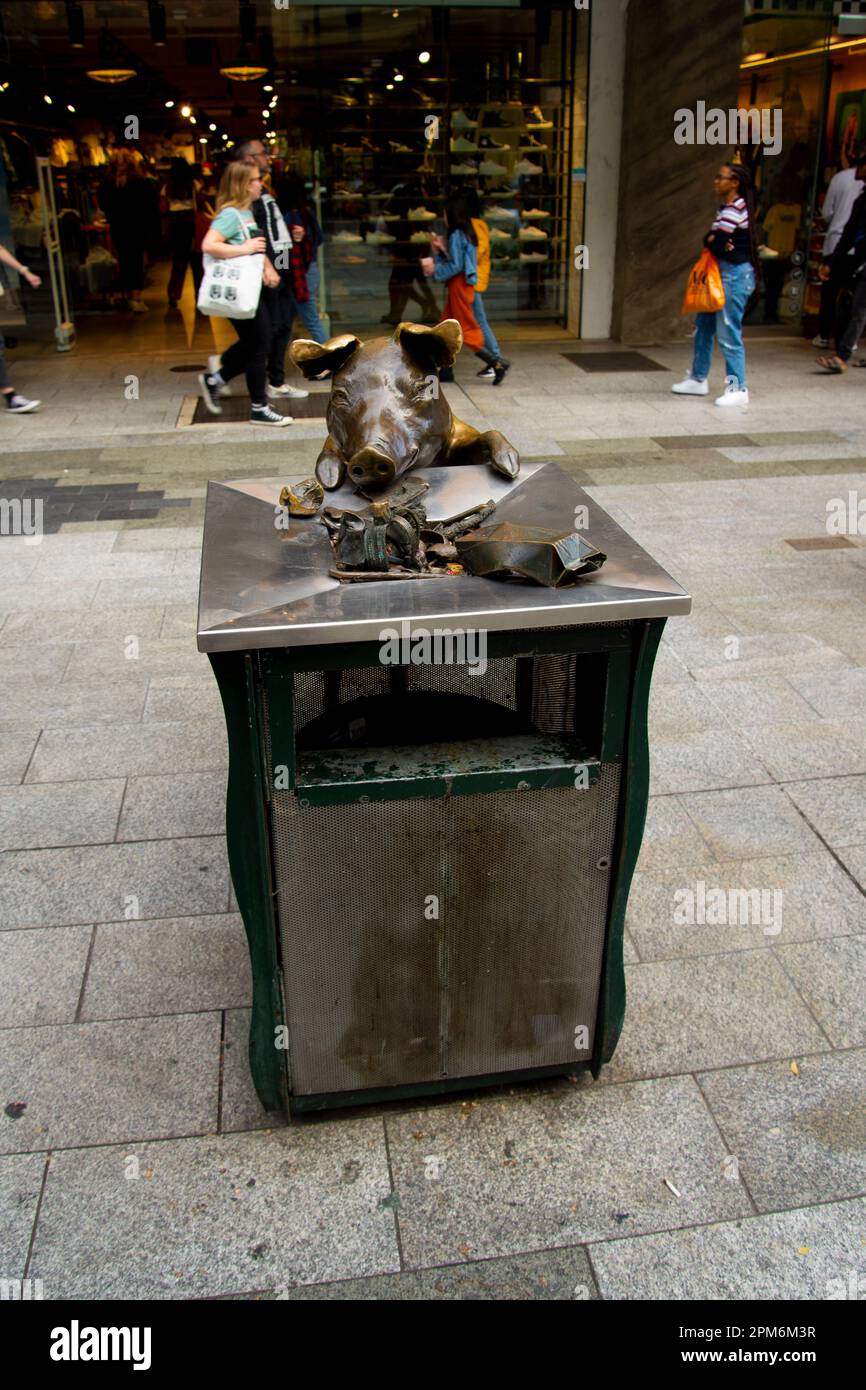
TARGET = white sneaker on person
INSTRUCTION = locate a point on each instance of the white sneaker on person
(734, 395)
(263, 415)
(691, 387)
(294, 393)
(209, 392)
(818, 341)
(17, 404)
(214, 362)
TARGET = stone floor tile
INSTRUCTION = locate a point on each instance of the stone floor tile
(797, 1137)
(703, 761)
(791, 752)
(854, 859)
(747, 822)
(798, 1255)
(670, 835)
(543, 1275)
(241, 1107)
(21, 1178)
(152, 657)
(508, 1174)
(767, 701)
(132, 750)
(16, 750)
(677, 708)
(178, 966)
(72, 813)
(102, 883)
(211, 1215)
(71, 703)
(157, 808)
(82, 624)
(830, 976)
(194, 701)
(836, 807)
(707, 1012)
(109, 1083)
(42, 972)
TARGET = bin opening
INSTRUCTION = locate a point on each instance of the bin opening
(409, 718)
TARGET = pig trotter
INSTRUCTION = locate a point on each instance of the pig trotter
(330, 468)
(503, 456)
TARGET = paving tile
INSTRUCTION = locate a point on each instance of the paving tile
(168, 588)
(854, 859)
(677, 708)
(797, 1137)
(193, 700)
(71, 702)
(836, 807)
(670, 835)
(157, 808)
(796, 1255)
(707, 1012)
(16, 750)
(803, 897)
(42, 972)
(101, 883)
(41, 625)
(747, 822)
(835, 694)
(34, 663)
(109, 1083)
(830, 977)
(212, 1215)
(20, 1184)
(148, 657)
(703, 761)
(74, 813)
(555, 1167)
(794, 751)
(767, 701)
(543, 1275)
(167, 967)
(133, 750)
(241, 1107)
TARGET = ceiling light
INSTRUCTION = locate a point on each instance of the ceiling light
(47, 99)
(211, 126)
(755, 57)
(107, 70)
(267, 87)
(75, 23)
(424, 57)
(266, 114)
(398, 77)
(202, 139)
(192, 120)
(156, 14)
(389, 86)
(184, 110)
(169, 104)
(71, 108)
(244, 69)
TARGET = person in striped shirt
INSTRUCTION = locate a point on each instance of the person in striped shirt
(733, 242)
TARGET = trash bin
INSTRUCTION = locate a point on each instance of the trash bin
(431, 857)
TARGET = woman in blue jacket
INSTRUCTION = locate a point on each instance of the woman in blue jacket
(456, 263)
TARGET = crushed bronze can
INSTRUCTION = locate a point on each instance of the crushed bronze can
(551, 558)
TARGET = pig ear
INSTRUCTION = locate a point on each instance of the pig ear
(436, 347)
(314, 358)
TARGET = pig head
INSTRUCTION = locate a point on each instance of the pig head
(387, 413)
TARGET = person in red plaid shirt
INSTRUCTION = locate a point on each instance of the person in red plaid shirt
(298, 290)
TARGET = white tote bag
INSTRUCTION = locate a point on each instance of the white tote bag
(231, 288)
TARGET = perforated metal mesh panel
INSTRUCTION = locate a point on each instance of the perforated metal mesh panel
(381, 992)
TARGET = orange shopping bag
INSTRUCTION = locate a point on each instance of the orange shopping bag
(705, 292)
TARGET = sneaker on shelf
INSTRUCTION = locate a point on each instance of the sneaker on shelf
(397, 148)
(389, 216)
(294, 393)
(532, 234)
(17, 404)
(733, 395)
(264, 415)
(421, 214)
(421, 236)
(214, 362)
(525, 166)
(464, 168)
(210, 393)
(820, 342)
(531, 142)
(498, 215)
(491, 170)
(460, 145)
(691, 387)
(379, 238)
(460, 121)
(536, 120)
(497, 234)
(487, 142)
(347, 236)
(532, 256)
(486, 374)
(138, 306)
(534, 214)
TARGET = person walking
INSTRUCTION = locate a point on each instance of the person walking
(733, 242)
(482, 232)
(456, 262)
(16, 404)
(291, 196)
(179, 199)
(130, 203)
(849, 259)
(234, 232)
(844, 190)
(406, 280)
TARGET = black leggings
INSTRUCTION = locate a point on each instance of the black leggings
(250, 353)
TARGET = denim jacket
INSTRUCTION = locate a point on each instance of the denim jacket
(461, 257)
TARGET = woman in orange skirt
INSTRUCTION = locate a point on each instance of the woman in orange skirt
(456, 263)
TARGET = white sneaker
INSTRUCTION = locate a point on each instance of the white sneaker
(294, 392)
(818, 341)
(214, 363)
(733, 396)
(691, 387)
(138, 306)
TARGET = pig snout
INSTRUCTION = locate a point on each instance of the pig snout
(372, 468)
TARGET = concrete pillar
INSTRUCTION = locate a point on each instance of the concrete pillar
(607, 33)
(676, 55)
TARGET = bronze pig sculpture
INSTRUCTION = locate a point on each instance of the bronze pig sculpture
(386, 413)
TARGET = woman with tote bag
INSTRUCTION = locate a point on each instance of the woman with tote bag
(232, 289)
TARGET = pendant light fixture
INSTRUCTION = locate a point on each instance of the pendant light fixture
(107, 69)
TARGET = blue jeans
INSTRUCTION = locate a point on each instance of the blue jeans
(726, 325)
(480, 313)
(308, 311)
